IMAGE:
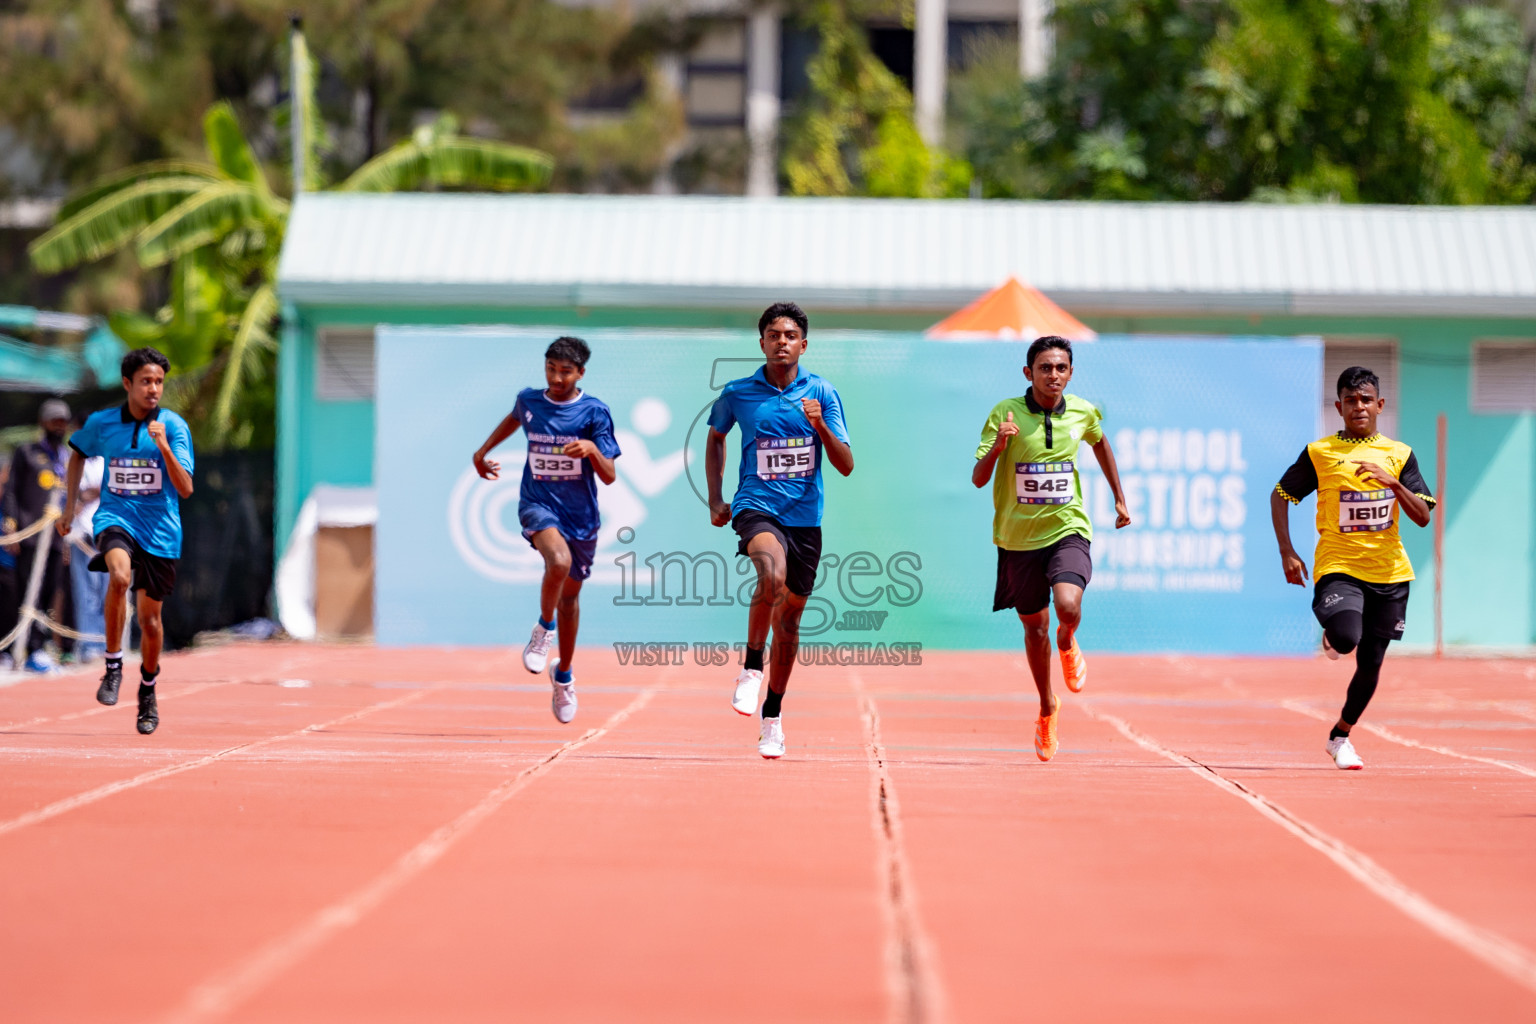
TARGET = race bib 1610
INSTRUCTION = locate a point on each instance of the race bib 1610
(133, 477)
(1043, 483)
(548, 463)
(786, 458)
(1365, 511)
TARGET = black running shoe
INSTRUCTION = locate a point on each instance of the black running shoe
(149, 714)
(106, 693)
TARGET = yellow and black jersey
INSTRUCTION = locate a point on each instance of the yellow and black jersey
(1356, 522)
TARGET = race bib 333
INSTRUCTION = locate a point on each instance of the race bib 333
(548, 463)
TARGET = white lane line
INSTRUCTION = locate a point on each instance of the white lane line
(91, 796)
(1509, 958)
(227, 990)
(101, 709)
(914, 989)
(1393, 737)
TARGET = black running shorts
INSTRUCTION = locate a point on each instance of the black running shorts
(153, 575)
(801, 544)
(1025, 578)
(1383, 607)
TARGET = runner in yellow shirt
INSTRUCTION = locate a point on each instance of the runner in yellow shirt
(1360, 567)
(1039, 525)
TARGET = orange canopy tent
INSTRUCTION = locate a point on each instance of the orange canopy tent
(1013, 310)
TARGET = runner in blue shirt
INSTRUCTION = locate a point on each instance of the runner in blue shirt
(148, 453)
(788, 417)
(570, 447)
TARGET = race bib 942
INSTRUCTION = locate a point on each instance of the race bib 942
(133, 477)
(1365, 511)
(548, 463)
(786, 458)
(1043, 483)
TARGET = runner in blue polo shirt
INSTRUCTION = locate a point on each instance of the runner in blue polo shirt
(570, 447)
(788, 418)
(148, 454)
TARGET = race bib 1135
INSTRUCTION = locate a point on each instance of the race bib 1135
(133, 477)
(1365, 511)
(548, 463)
(1043, 483)
(786, 458)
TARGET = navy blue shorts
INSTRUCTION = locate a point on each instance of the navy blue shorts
(537, 517)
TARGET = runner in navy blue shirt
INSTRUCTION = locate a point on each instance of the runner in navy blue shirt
(788, 418)
(148, 471)
(570, 447)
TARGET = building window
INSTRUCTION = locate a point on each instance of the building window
(1504, 376)
(1378, 355)
(344, 364)
(716, 91)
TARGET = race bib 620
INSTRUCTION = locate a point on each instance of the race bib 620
(786, 458)
(1365, 511)
(1043, 483)
(133, 477)
(548, 463)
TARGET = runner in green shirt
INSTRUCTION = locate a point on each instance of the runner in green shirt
(1041, 529)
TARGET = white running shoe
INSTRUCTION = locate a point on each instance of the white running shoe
(562, 700)
(744, 700)
(1343, 753)
(771, 742)
(1328, 650)
(536, 651)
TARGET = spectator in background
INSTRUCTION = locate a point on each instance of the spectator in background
(37, 471)
(89, 589)
(10, 600)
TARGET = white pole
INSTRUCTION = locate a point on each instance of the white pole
(35, 583)
(930, 61)
(296, 104)
(763, 102)
(1034, 37)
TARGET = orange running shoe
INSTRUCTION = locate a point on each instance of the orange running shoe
(1045, 733)
(1074, 668)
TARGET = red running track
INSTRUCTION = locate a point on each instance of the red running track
(410, 836)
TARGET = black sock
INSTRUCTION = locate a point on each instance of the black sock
(148, 677)
(771, 704)
(116, 662)
(1337, 733)
(755, 657)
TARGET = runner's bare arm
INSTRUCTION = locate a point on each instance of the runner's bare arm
(981, 473)
(487, 468)
(714, 473)
(1280, 513)
(838, 453)
(1106, 456)
(180, 478)
(71, 492)
(601, 464)
(1416, 507)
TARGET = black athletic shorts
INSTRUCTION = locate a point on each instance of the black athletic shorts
(802, 547)
(154, 575)
(1382, 606)
(1025, 578)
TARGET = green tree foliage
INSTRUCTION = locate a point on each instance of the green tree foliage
(855, 134)
(1389, 101)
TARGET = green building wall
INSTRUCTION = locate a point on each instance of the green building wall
(1489, 504)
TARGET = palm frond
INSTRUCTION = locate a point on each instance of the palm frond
(305, 106)
(251, 337)
(110, 223)
(454, 161)
(228, 148)
(105, 186)
(204, 219)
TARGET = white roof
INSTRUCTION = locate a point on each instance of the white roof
(873, 254)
